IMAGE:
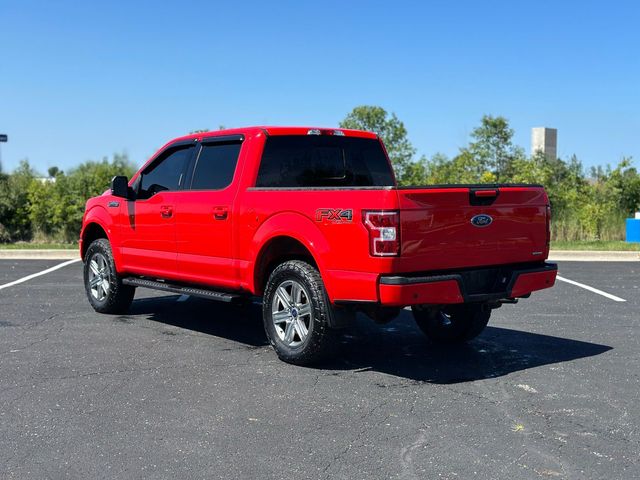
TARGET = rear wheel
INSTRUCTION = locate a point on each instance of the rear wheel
(453, 324)
(296, 313)
(103, 285)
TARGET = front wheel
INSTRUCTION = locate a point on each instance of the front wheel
(453, 324)
(296, 312)
(104, 287)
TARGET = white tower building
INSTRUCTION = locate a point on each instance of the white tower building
(545, 140)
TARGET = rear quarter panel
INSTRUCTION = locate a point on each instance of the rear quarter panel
(336, 245)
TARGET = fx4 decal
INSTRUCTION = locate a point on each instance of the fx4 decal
(335, 215)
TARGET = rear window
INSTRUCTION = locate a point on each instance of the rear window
(323, 161)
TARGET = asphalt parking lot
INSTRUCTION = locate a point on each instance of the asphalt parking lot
(187, 388)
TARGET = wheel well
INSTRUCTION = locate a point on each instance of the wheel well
(273, 253)
(92, 232)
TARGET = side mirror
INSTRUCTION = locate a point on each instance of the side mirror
(120, 186)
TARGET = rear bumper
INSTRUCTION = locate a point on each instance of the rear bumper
(489, 284)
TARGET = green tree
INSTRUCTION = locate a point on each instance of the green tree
(393, 134)
(492, 146)
(5, 208)
(56, 208)
(14, 206)
(85, 181)
(42, 198)
(626, 182)
(461, 169)
(489, 157)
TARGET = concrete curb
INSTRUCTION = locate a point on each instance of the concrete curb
(39, 254)
(593, 256)
(555, 255)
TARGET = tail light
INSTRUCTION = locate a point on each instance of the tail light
(384, 232)
(548, 226)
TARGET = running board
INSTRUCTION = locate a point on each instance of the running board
(196, 292)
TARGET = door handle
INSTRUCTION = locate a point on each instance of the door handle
(166, 211)
(220, 213)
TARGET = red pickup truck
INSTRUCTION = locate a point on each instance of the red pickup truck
(312, 221)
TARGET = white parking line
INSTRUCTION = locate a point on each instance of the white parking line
(591, 289)
(183, 298)
(43, 272)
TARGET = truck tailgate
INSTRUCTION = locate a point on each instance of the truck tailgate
(454, 227)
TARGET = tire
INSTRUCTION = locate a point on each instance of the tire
(296, 313)
(454, 324)
(103, 285)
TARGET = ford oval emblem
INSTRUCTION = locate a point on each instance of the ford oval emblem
(481, 220)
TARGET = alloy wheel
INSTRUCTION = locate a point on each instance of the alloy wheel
(292, 313)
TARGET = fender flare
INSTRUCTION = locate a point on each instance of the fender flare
(98, 215)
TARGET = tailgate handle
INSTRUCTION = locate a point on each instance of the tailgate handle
(485, 193)
(483, 196)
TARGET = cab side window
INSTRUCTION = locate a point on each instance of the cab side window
(215, 166)
(165, 173)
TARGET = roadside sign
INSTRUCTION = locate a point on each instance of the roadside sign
(3, 137)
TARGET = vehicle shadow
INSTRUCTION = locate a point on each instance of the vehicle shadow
(239, 323)
(397, 348)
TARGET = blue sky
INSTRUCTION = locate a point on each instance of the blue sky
(81, 80)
